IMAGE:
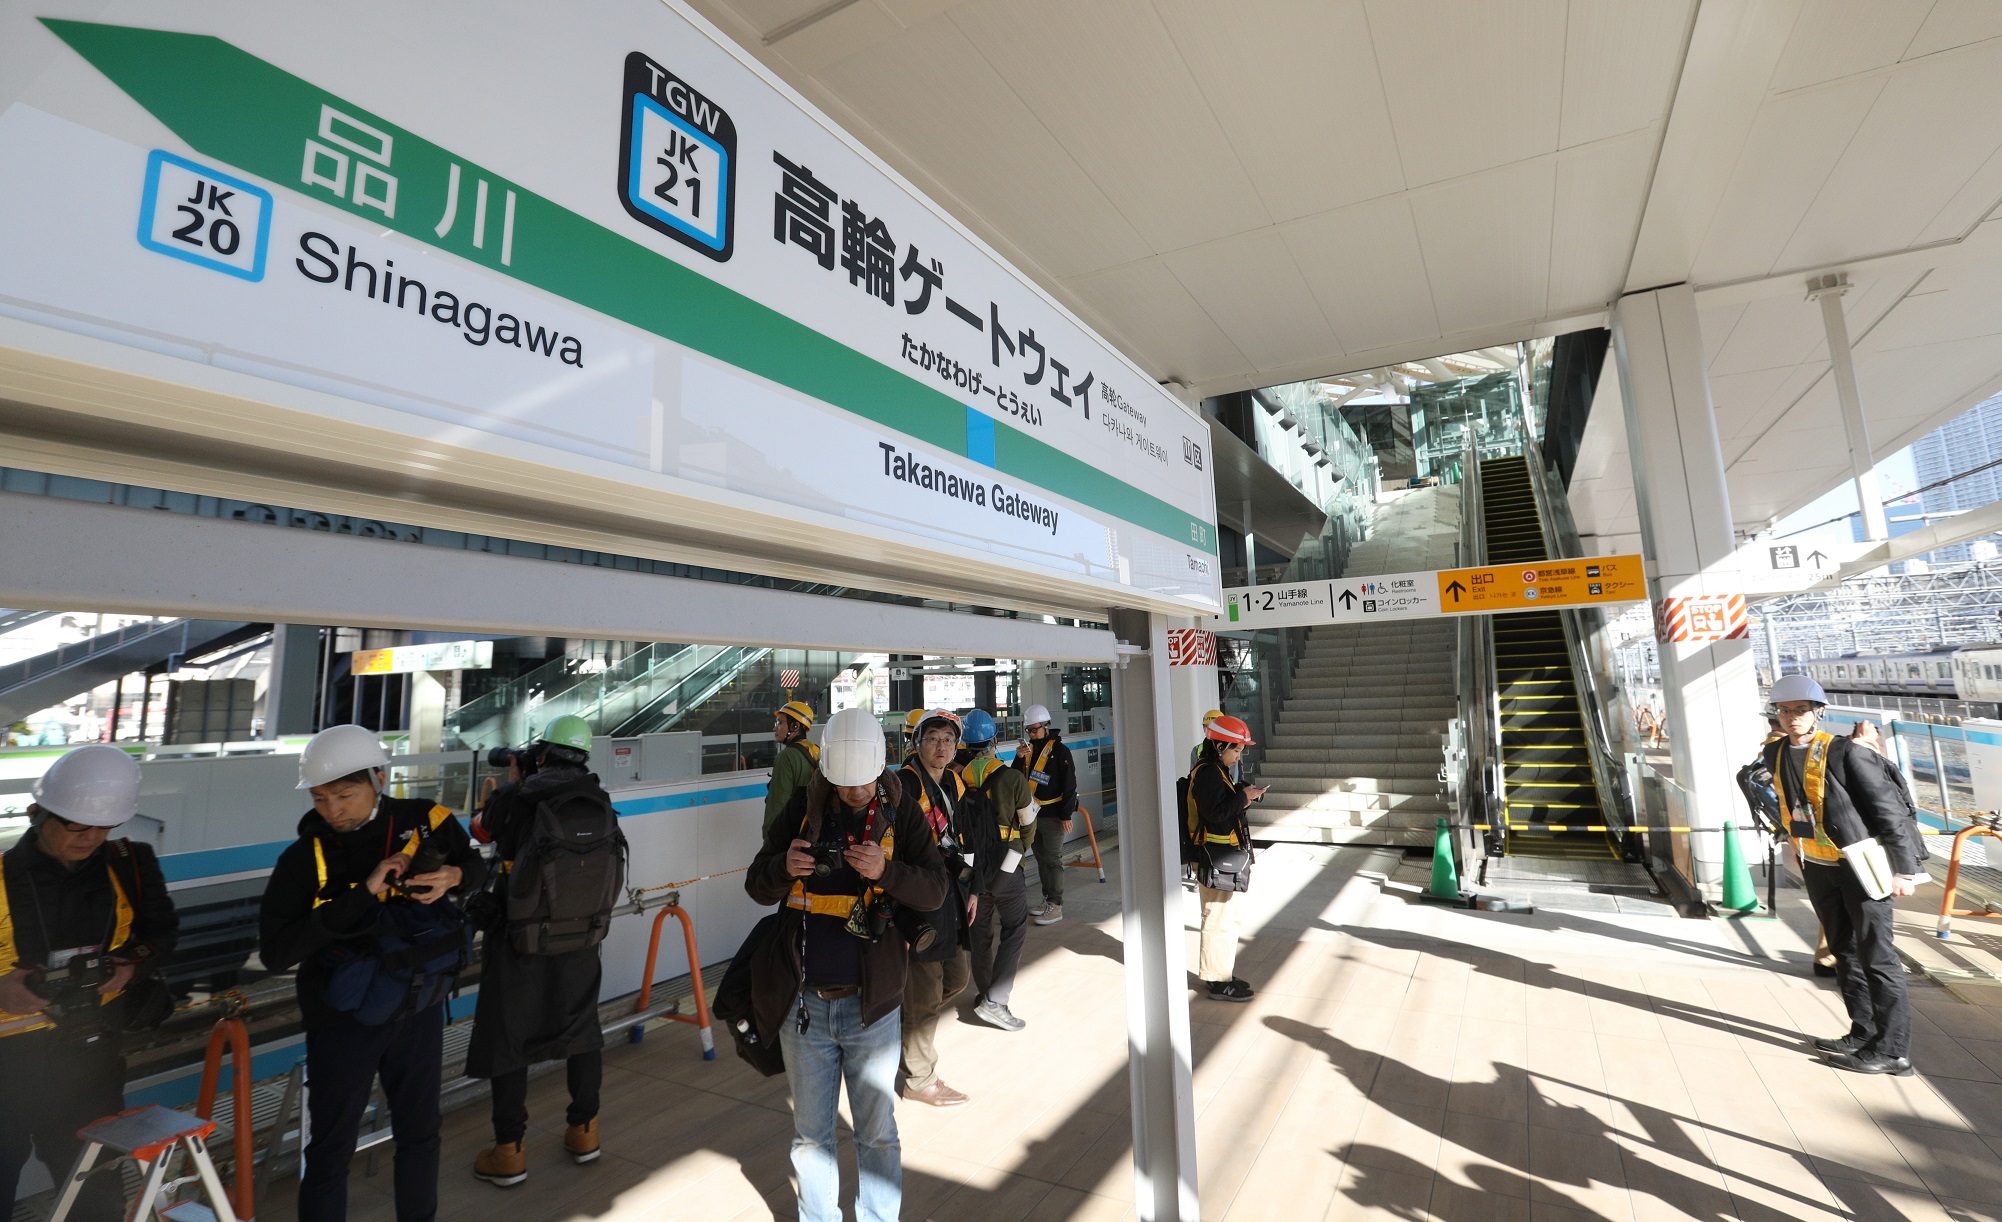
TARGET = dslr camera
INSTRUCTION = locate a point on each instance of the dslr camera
(827, 858)
(428, 859)
(74, 1005)
(521, 757)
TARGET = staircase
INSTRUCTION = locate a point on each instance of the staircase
(1546, 758)
(1355, 753)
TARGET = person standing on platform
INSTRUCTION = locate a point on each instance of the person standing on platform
(81, 918)
(541, 976)
(1196, 752)
(932, 985)
(1220, 826)
(796, 758)
(1866, 733)
(1001, 926)
(326, 910)
(1836, 802)
(1044, 758)
(847, 849)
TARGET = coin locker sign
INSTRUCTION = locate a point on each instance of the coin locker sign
(613, 239)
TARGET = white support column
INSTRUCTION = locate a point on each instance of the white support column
(1192, 689)
(1829, 290)
(1709, 688)
(1157, 993)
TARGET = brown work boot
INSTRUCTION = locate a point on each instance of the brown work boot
(582, 1141)
(938, 1094)
(503, 1166)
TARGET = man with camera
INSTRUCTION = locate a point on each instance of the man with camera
(847, 850)
(354, 904)
(1857, 850)
(540, 977)
(85, 923)
(939, 972)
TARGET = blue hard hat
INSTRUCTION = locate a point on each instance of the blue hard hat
(979, 729)
(1796, 687)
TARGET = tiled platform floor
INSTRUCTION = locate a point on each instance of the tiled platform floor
(1401, 1061)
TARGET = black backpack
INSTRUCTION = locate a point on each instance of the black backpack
(732, 1006)
(569, 872)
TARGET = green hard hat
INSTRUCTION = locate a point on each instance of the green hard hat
(569, 731)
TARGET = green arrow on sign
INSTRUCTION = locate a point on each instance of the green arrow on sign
(237, 108)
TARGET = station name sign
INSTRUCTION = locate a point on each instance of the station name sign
(1490, 590)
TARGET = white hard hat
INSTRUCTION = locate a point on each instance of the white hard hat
(339, 751)
(97, 785)
(1035, 715)
(852, 750)
(1790, 688)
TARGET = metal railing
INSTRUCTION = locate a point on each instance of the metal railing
(1479, 725)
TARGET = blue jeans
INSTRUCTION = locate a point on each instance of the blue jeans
(836, 1046)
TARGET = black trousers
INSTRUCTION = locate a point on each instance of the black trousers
(1867, 968)
(586, 1071)
(343, 1060)
(1000, 930)
(52, 1087)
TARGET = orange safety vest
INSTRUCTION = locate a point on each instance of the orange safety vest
(1818, 847)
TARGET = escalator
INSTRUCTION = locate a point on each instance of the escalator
(33, 684)
(1546, 755)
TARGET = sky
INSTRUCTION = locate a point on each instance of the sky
(1896, 476)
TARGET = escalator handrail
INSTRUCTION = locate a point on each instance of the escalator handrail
(1561, 542)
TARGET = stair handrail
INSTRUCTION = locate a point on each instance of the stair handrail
(70, 653)
(1581, 625)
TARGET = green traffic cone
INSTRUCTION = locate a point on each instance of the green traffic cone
(1445, 878)
(1739, 894)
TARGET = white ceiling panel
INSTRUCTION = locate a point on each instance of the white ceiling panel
(1472, 85)
(1486, 240)
(1838, 38)
(1955, 23)
(1794, 144)
(1115, 91)
(1903, 164)
(1173, 333)
(1599, 192)
(1255, 62)
(1364, 267)
(981, 143)
(1253, 290)
(1620, 61)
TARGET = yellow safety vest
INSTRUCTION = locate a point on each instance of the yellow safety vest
(1820, 847)
(438, 816)
(982, 767)
(1041, 764)
(842, 906)
(1195, 816)
(15, 1024)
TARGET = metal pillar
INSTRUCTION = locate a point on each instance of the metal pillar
(1157, 987)
(1828, 290)
(1709, 688)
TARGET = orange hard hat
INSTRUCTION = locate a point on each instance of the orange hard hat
(1228, 729)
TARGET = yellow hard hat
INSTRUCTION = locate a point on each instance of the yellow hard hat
(799, 711)
(1210, 716)
(911, 720)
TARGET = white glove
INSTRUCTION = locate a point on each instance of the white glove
(1026, 816)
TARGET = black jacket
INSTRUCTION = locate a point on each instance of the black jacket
(1220, 805)
(294, 933)
(1861, 800)
(531, 1007)
(914, 876)
(57, 908)
(1060, 778)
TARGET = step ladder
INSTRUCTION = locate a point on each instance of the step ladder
(151, 1136)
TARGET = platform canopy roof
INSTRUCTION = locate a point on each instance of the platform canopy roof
(1247, 194)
